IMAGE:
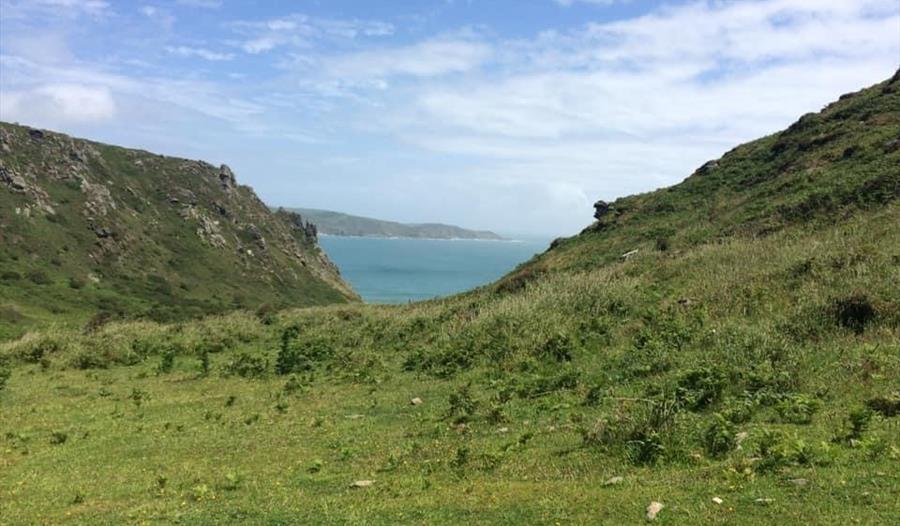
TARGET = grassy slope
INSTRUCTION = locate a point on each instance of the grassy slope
(577, 368)
(154, 263)
(337, 223)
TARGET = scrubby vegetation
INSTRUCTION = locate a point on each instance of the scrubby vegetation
(754, 360)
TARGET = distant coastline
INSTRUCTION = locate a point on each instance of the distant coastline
(331, 223)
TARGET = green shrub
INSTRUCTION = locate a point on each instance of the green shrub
(35, 350)
(699, 388)
(10, 275)
(886, 406)
(167, 361)
(297, 355)
(720, 437)
(462, 404)
(38, 277)
(857, 424)
(293, 385)
(854, 312)
(771, 451)
(558, 348)
(90, 359)
(5, 372)
(797, 409)
(645, 448)
(247, 366)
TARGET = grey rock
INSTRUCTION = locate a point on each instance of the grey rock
(226, 177)
(601, 208)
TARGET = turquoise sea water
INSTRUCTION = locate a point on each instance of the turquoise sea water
(401, 270)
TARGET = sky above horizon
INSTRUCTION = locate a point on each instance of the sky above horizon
(509, 115)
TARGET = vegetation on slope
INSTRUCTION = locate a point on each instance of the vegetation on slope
(87, 228)
(340, 224)
(754, 361)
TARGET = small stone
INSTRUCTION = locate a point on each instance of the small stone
(416, 401)
(653, 510)
(503, 430)
(628, 255)
(799, 482)
(362, 484)
(717, 500)
(612, 481)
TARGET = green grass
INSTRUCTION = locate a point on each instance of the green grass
(754, 358)
(754, 335)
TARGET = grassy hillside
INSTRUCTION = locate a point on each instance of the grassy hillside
(339, 224)
(87, 228)
(748, 352)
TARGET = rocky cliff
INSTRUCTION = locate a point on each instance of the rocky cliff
(86, 227)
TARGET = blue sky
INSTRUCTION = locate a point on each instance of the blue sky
(513, 115)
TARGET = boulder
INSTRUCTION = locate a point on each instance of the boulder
(226, 177)
(601, 208)
(16, 182)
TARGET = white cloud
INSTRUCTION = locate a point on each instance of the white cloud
(54, 8)
(59, 104)
(205, 4)
(427, 59)
(298, 30)
(186, 51)
(158, 15)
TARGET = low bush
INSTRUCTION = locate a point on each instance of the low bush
(462, 404)
(720, 437)
(854, 312)
(247, 366)
(697, 389)
(797, 409)
(5, 372)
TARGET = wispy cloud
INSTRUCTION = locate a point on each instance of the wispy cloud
(298, 30)
(205, 4)
(426, 59)
(205, 54)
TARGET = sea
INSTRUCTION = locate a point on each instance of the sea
(400, 270)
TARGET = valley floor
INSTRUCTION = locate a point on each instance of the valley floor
(762, 372)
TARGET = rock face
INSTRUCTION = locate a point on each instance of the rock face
(158, 231)
(601, 208)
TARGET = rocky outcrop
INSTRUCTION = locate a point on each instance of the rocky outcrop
(601, 208)
(98, 209)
